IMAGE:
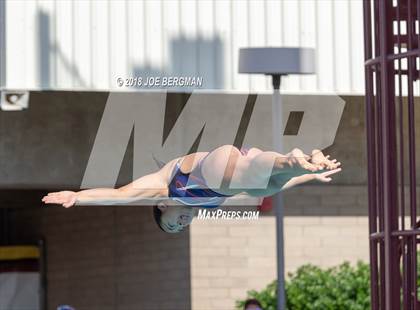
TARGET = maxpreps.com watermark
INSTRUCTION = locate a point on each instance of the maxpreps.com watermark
(219, 214)
(161, 81)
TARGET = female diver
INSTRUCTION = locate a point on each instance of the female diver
(206, 179)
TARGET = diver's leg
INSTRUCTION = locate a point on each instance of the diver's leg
(218, 166)
(228, 171)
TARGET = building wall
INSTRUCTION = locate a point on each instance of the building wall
(2, 44)
(229, 257)
(115, 257)
(108, 257)
(324, 225)
(67, 127)
(89, 44)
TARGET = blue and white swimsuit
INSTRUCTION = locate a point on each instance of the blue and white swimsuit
(191, 188)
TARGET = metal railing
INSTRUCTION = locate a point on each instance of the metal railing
(392, 52)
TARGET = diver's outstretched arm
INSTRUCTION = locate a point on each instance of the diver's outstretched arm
(328, 166)
(266, 166)
(272, 163)
(260, 178)
(150, 186)
(322, 177)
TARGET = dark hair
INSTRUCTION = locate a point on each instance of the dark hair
(157, 214)
(252, 302)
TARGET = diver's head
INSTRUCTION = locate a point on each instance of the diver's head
(172, 218)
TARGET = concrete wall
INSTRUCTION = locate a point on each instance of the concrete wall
(229, 257)
(115, 257)
(324, 225)
(108, 257)
(65, 128)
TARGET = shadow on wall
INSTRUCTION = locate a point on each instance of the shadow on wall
(46, 50)
(44, 69)
(194, 57)
(188, 57)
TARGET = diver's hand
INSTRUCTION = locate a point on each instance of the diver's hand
(300, 161)
(318, 158)
(325, 177)
(65, 198)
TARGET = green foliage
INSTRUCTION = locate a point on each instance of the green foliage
(267, 297)
(313, 288)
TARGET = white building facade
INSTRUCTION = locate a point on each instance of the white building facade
(88, 45)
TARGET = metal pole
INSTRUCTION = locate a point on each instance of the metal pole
(277, 120)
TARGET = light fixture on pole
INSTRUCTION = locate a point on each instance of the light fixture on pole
(277, 61)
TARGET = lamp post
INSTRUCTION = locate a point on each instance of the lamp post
(277, 61)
